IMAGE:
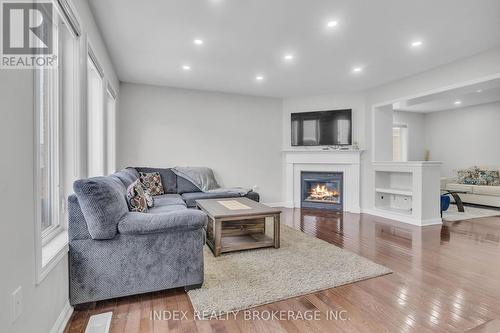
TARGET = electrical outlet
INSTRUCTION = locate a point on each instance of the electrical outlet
(17, 303)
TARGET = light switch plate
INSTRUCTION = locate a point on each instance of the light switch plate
(17, 303)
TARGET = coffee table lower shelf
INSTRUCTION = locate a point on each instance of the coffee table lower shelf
(236, 224)
(243, 242)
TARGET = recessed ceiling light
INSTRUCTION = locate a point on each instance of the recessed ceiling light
(198, 42)
(457, 102)
(288, 57)
(332, 24)
(259, 78)
(416, 43)
(357, 69)
(479, 90)
(186, 67)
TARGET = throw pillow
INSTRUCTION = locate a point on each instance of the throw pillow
(149, 198)
(468, 176)
(152, 182)
(137, 198)
(489, 177)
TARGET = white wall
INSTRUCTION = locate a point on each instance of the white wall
(464, 137)
(43, 303)
(238, 136)
(416, 133)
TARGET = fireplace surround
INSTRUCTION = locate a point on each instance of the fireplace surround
(322, 190)
(321, 160)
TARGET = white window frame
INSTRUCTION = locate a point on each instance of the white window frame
(51, 245)
(54, 147)
(95, 168)
(110, 130)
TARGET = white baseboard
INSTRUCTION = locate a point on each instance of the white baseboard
(432, 222)
(401, 218)
(63, 319)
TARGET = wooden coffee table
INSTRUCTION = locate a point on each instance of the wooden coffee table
(239, 224)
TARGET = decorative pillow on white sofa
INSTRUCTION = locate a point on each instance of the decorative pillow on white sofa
(469, 176)
(489, 177)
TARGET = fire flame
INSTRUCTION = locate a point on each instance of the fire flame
(321, 192)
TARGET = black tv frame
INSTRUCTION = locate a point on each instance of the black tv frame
(312, 113)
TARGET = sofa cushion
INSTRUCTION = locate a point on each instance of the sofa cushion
(191, 198)
(168, 178)
(152, 182)
(487, 190)
(185, 186)
(139, 223)
(103, 203)
(166, 208)
(169, 199)
(127, 176)
(137, 198)
(459, 187)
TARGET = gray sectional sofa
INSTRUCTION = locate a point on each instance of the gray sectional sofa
(114, 252)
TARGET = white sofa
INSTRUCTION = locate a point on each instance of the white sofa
(475, 194)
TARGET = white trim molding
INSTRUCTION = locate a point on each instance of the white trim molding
(63, 319)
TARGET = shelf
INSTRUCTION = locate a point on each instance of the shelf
(405, 192)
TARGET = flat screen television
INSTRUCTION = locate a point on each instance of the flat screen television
(322, 128)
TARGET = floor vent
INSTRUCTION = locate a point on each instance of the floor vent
(99, 323)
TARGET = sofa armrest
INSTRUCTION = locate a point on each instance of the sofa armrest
(135, 223)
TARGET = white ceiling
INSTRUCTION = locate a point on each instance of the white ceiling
(471, 95)
(150, 40)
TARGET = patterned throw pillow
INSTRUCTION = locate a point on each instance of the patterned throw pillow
(468, 176)
(152, 182)
(149, 198)
(489, 177)
(137, 198)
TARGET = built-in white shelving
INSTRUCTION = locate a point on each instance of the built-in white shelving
(398, 191)
(408, 191)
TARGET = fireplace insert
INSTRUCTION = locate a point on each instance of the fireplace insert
(322, 190)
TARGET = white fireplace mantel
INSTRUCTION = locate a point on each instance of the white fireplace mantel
(345, 161)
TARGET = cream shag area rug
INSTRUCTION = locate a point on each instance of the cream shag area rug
(304, 264)
(452, 214)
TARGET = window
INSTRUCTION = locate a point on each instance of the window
(48, 96)
(111, 130)
(400, 143)
(95, 105)
(55, 95)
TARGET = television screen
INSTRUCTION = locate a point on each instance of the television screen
(322, 128)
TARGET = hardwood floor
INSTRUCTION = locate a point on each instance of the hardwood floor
(446, 279)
